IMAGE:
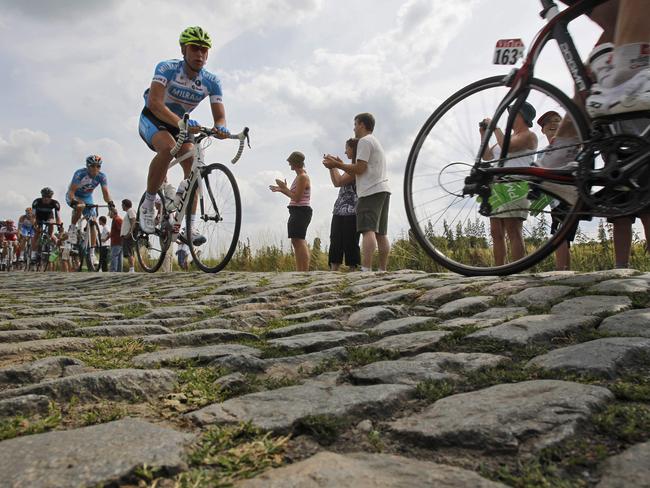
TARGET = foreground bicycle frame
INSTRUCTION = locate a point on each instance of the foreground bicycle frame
(566, 185)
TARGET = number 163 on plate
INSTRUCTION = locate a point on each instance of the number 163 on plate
(508, 51)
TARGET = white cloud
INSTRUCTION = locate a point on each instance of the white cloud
(23, 148)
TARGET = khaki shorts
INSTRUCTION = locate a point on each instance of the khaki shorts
(372, 213)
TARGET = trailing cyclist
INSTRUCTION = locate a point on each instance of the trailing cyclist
(178, 86)
(80, 194)
(47, 212)
(25, 230)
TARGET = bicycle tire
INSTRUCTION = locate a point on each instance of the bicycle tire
(424, 235)
(218, 218)
(152, 248)
(91, 251)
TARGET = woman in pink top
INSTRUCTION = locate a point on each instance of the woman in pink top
(299, 210)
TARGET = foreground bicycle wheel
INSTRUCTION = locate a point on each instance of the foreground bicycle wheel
(218, 218)
(152, 248)
(446, 223)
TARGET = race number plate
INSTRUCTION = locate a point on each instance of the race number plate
(508, 51)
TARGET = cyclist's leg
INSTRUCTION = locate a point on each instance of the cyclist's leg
(162, 142)
(628, 87)
(35, 238)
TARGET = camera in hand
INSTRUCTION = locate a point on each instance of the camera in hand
(483, 124)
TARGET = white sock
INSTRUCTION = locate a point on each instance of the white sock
(629, 59)
(149, 199)
(131, 270)
(601, 65)
(363, 268)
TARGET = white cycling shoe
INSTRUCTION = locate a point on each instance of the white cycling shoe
(630, 96)
(147, 220)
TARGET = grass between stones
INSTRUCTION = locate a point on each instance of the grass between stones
(223, 455)
(325, 429)
(198, 387)
(211, 312)
(355, 357)
(107, 352)
(132, 310)
(270, 325)
(18, 426)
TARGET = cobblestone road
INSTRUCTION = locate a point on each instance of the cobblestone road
(325, 379)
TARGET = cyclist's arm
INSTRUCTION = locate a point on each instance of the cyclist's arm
(71, 191)
(57, 215)
(156, 103)
(106, 194)
(218, 114)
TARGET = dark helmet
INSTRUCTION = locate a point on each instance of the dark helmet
(47, 192)
(93, 159)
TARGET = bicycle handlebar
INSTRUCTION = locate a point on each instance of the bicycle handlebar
(208, 132)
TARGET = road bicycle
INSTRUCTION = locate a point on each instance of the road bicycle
(210, 189)
(26, 253)
(8, 256)
(88, 247)
(45, 246)
(451, 191)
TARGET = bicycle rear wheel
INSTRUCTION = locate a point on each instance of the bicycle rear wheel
(218, 218)
(151, 248)
(447, 224)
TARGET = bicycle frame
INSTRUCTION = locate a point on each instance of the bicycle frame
(197, 154)
(556, 28)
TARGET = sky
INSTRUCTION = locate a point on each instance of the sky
(294, 71)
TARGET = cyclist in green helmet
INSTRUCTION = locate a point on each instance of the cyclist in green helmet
(178, 86)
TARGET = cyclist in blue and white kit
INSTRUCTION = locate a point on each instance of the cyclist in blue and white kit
(80, 193)
(178, 86)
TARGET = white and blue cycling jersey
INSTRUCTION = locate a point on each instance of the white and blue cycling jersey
(86, 184)
(182, 93)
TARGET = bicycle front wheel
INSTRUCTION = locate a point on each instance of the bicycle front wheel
(93, 248)
(529, 218)
(152, 248)
(217, 218)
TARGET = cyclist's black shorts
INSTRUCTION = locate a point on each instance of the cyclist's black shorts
(160, 125)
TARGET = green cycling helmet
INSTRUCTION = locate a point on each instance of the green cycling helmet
(195, 35)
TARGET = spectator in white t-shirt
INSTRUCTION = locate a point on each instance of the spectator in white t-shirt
(104, 237)
(127, 240)
(372, 189)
